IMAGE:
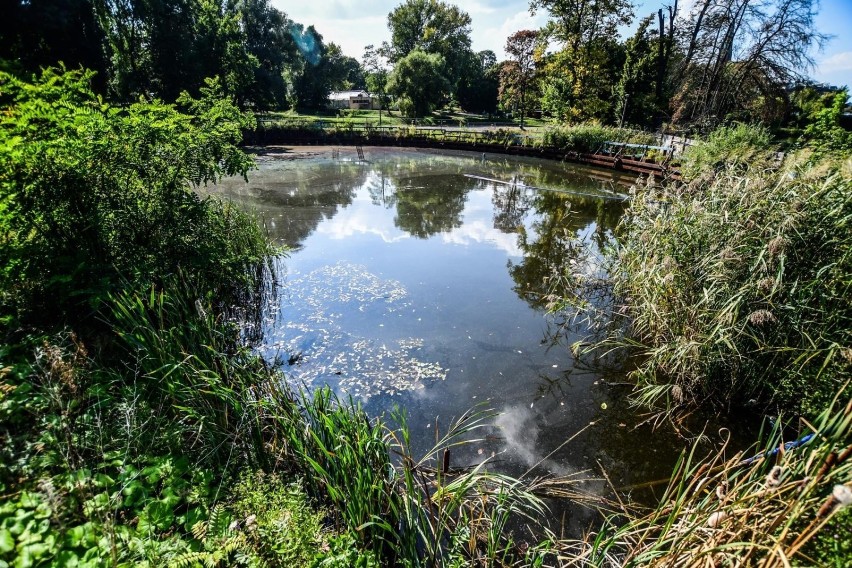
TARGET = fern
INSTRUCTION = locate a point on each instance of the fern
(222, 544)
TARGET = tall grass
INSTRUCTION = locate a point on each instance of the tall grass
(772, 505)
(410, 511)
(229, 407)
(736, 285)
(739, 147)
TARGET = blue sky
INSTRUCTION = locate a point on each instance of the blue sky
(353, 24)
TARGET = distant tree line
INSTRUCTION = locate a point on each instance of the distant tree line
(160, 48)
(718, 61)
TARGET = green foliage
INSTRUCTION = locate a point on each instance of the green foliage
(477, 89)
(419, 81)
(434, 27)
(93, 195)
(281, 526)
(738, 147)
(590, 137)
(738, 285)
(824, 134)
(635, 90)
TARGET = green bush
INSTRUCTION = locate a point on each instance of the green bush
(590, 137)
(738, 147)
(93, 196)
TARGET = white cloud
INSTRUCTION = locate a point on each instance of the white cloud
(353, 24)
(493, 34)
(358, 219)
(836, 62)
(479, 232)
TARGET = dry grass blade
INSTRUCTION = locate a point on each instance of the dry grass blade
(766, 510)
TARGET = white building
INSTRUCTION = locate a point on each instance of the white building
(355, 100)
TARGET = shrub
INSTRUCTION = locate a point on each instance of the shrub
(93, 196)
(738, 147)
(590, 137)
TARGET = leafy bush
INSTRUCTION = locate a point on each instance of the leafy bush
(93, 196)
(824, 133)
(737, 285)
(737, 147)
(590, 137)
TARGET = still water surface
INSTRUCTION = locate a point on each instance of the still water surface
(410, 283)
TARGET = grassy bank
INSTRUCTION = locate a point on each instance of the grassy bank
(138, 427)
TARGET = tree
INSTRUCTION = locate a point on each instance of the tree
(740, 55)
(635, 93)
(579, 77)
(268, 39)
(419, 82)
(376, 71)
(430, 26)
(322, 69)
(40, 33)
(521, 47)
(478, 89)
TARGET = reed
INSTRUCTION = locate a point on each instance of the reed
(771, 505)
(736, 286)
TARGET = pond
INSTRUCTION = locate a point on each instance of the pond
(421, 280)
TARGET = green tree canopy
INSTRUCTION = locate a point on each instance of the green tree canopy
(93, 196)
(431, 26)
(578, 78)
(516, 77)
(419, 82)
(478, 88)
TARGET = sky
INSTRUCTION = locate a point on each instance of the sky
(353, 24)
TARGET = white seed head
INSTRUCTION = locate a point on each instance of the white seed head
(716, 519)
(842, 494)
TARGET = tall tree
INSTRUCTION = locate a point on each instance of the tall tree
(418, 81)
(268, 39)
(740, 55)
(636, 91)
(431, 26)
(521, 47)
(376, 70)
(580, 74)
(478, 88)
(41, 33)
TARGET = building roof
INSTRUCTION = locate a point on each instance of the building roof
(346, 95)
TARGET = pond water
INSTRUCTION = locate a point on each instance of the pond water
(420, 280)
